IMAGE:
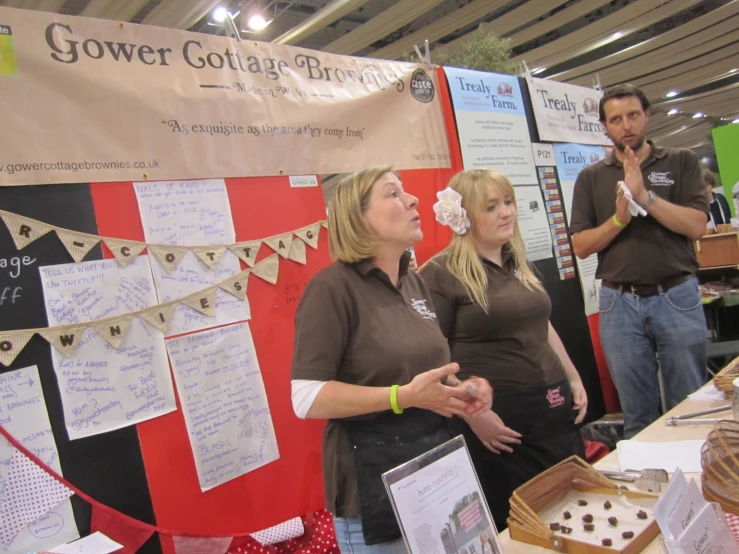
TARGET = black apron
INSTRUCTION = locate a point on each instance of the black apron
(545, 418)
(379, 445)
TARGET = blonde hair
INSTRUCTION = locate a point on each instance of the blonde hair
(350, 239)
(463, 261)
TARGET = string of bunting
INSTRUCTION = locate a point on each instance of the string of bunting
(67, 338)
(25, 230)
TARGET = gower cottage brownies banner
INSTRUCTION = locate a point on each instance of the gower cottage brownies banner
(95, 100)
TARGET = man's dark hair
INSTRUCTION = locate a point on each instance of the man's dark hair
(621, 91)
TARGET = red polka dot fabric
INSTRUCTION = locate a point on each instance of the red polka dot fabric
(29, 493)
(319, 538)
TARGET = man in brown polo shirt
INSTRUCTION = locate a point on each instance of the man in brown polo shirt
(650, 308)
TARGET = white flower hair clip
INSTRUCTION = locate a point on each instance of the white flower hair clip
(449, 211)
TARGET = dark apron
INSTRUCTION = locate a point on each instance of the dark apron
(545, 418)
(379, 445)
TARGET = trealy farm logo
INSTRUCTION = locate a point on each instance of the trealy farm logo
(594, 158)
(8, 65)
(590, 107)
(422, 88)
(504, 89)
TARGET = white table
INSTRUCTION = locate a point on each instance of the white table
(656, 432)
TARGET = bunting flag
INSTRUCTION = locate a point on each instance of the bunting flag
(131, 533)
(124, 251)
(324, 224)
(297, 252)
(209, 255)
(247, 251)
(77, 245)
(237, 285)
(203, 302)
(280, 244)
(159, 317)
(309, 234)
(267, 269)
(28, 493)
(169, 256)
(65, 339)
(24, 231)
(114, 331)
(11, 345)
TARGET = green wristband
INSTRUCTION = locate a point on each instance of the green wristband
(394, 399)
(618, 223)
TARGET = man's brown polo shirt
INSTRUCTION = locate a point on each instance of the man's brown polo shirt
(645, 252)
(354, 326)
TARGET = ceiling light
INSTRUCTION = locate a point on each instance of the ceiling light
(697, 115)
(538, 70)
(257, 22)
(735, 121)
(671, 94)
(732, 71)
(617, 34)
(673, 111)
(220, 14)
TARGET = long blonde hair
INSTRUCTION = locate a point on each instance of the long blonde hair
(462, 259)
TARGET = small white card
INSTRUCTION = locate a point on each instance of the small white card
(97, 543)
(706, 534)
(543, 153)
(687, 508)
(303, 181)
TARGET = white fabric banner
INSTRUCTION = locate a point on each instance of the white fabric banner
(566, 113)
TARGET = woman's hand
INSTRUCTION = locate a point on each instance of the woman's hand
(579, 399)
(479, 395)
(426, 391)
(493, 433)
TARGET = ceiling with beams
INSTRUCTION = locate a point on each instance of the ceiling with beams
(690, 47)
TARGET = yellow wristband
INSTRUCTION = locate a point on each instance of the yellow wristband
(618, 223)
(394, 399)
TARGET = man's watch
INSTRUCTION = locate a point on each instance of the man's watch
(651, 198)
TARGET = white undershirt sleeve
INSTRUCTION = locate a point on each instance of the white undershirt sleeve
(304, 392)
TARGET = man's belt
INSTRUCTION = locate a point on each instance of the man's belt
(646, 290)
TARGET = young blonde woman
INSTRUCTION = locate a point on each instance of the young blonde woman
(495, 314)
(369, 358)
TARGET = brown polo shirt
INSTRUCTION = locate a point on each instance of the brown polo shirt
(509, 346)
(645, 252)
(352, 325)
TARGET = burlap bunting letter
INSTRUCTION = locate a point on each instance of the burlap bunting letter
(169, 256)
(23, 231)
(297, 252)
(324, 224)
(114, 331)
(247, 251)
(159, 317)
(124, 252)
(65, 339)
(280, 244)
(268, 269)
(11, 344)
(77, 245)
(237, 285)
(204, 302)
(209, 255)
(310, 234)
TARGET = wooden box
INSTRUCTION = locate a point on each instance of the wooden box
(718, 250)
(549, 488)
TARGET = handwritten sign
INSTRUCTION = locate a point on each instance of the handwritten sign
(102, 388)
(23, 414)
(225, 405)
(194, 213)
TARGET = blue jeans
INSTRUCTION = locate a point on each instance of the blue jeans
(350, 539)
(640, 335)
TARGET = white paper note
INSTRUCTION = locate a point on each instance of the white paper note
(533, 223)
(191, 213)
(103, 388)
(97, 543)
(707, 534)
(225, 405)
(669, 456)
(708, 392)
(23, 414)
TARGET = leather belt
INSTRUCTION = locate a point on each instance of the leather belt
(646, 290)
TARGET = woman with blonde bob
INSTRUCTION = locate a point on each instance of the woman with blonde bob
(495, 314)
(369, 357)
